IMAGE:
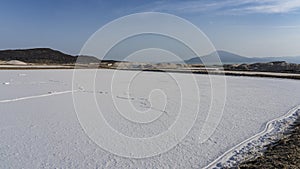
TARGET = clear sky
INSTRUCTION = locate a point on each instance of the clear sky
(252, 28)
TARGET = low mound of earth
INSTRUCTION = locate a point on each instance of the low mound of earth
(15, 62)
(284, 153)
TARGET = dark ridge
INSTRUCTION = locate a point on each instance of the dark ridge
(153, 70)
(44, 56)
(276, 66)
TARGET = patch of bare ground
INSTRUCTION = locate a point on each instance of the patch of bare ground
(284, 153)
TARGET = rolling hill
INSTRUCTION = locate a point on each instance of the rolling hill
(43, 56)
(231, 58)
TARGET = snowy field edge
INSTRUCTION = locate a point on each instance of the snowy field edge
(253, 147)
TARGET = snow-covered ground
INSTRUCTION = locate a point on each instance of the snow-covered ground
(39, 126)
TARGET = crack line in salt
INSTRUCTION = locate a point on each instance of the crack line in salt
(37, 96)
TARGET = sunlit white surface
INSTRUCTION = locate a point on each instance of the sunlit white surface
(39, 127)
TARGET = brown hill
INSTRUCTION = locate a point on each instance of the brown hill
(43, 56)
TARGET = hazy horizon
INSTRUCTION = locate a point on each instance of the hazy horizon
(188, 57)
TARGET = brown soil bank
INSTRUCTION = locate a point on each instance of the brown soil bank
(285, 153)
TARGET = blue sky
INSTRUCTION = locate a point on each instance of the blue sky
(253, 28)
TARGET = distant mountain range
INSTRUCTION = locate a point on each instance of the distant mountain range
(50, 56)
(231, 58)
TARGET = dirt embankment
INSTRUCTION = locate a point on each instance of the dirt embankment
(284, 153)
